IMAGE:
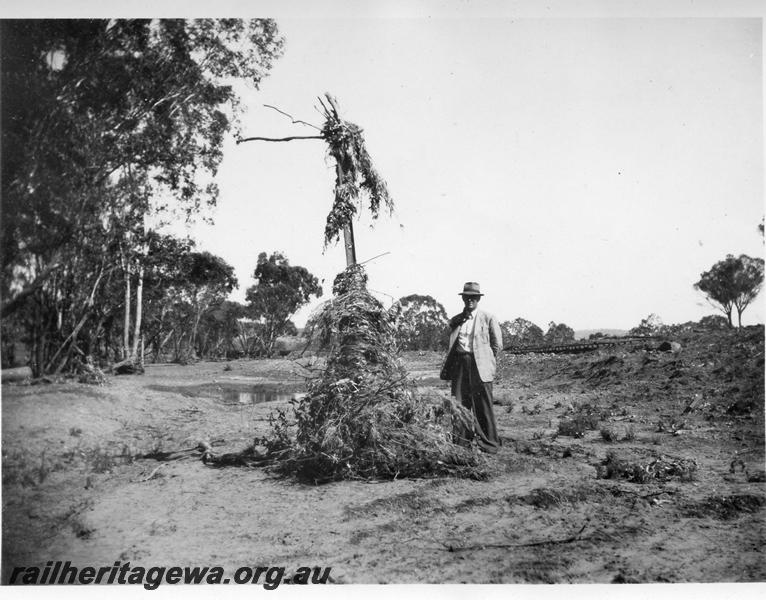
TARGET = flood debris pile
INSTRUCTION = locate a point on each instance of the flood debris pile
(362, 418)
(646, 469)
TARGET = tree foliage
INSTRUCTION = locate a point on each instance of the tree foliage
(90, 105)
(185, 296)
(221, 330)
(651, 325)
(108, 121)
(356, 176)
(281, 289)
(521, 332)
(715, 322)
(183, 288)
(732, 283)
(209, 281)
(420, 323)
(559, 333)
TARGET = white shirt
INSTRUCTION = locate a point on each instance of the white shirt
(465, 334)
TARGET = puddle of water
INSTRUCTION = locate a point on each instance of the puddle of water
(238, 395)
(233, 393)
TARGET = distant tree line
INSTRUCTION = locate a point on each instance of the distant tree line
(186, 313)
(522, 332)
(197, 321)
(422, 324)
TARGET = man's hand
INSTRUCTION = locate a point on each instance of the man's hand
(460, 318)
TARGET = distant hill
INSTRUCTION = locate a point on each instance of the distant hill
(583, 334)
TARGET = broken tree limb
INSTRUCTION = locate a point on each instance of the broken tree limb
(293, 119)
(693, 404)
(14, 303)
(78, 327)
(285, 139)
(128, 366)
(574, 538)
(167, 456)
(200, 449)
(364, 262)
(152, 474)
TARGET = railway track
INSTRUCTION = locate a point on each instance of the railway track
(583, 346)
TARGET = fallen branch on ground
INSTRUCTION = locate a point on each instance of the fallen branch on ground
(200, 449)
(152, 474)
(574, 538)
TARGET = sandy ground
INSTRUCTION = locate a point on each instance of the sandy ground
(72, 489)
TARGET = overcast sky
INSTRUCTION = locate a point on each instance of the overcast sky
(582, 170)
(583, 161)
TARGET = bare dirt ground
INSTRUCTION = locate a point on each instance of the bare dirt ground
(594, 482)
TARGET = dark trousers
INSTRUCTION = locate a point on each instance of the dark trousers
(475, 395)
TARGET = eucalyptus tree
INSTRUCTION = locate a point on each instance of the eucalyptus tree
(105, 122)
(732, 283)
(558, 333)
(421, 323)
(280, 290)
(521, 332)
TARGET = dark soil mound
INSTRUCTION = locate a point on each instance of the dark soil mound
(724, 507)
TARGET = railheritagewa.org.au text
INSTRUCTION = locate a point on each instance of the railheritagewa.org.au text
(64, 573)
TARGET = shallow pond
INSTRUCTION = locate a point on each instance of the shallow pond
(233, 393)
(253, 395)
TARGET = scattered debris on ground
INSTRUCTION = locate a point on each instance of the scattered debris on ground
(683, 501)
(646, 469)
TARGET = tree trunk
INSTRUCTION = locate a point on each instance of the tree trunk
(348, 228)
(139, 306)
(37, 342)
(348, 242)
(195, 326)
(126, 328)
(161, 345)
(93, 339)
(72, 337)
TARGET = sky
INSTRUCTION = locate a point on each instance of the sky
(582, 170)
(584, 162)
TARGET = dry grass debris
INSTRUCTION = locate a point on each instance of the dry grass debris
(657, 468)
(578, 426)
(724, 507)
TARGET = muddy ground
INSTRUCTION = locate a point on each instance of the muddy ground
(603, 477)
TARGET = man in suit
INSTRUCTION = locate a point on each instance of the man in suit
(475, 340)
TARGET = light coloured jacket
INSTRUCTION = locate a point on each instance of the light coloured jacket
(487, 342)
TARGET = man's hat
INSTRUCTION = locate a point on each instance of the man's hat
(471, 288)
